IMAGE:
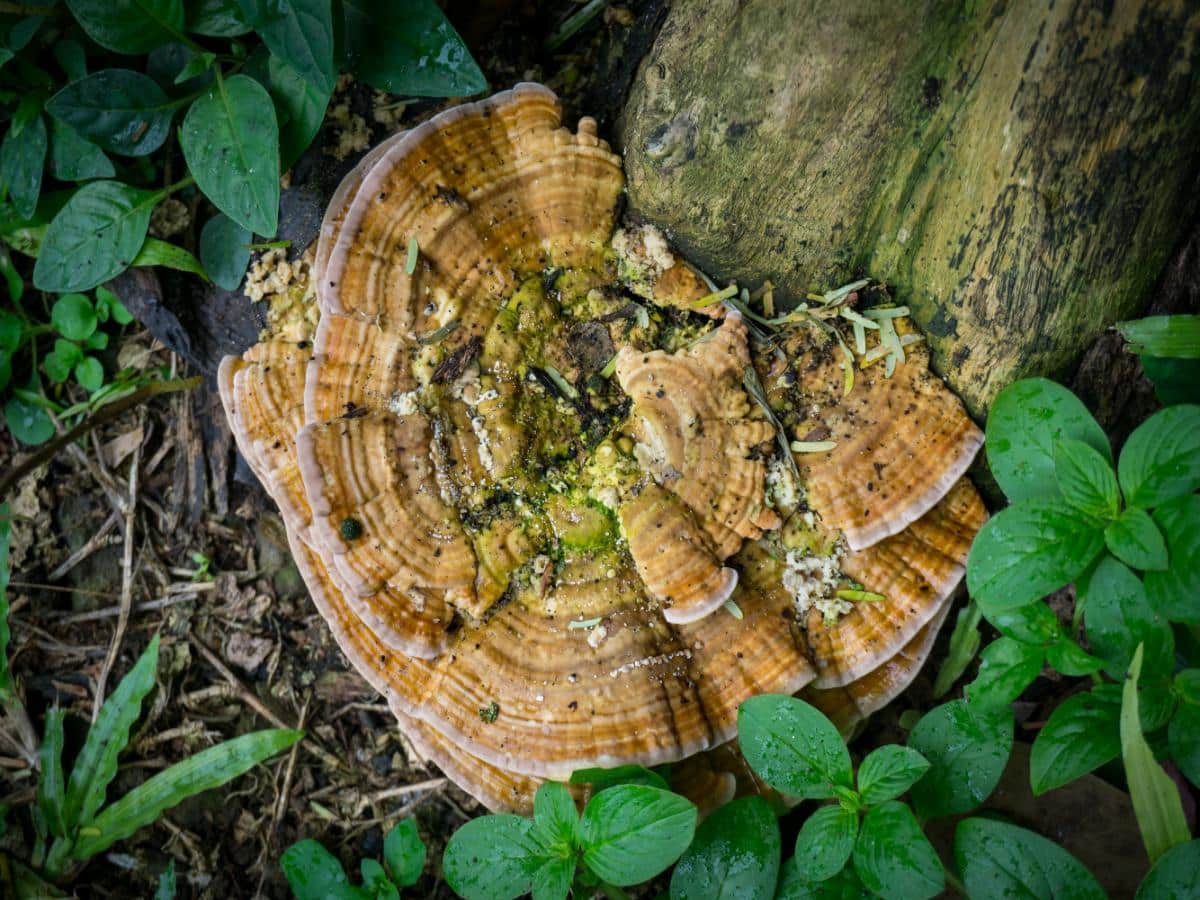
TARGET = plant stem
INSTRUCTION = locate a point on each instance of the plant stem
(953, 881)
(99, 417)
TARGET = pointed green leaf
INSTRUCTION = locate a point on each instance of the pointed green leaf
(1161, 459)
(160, 253)
(967, 749)
(630, 833)
(1173, 592)
(129, 26)
(554, 818)
(735, 855)
(793, 747)
(225, 251)
(492, 858)
(119, 110)
(893, 857)
(74, 158)
(552, 880)
(1080, 736)
(793, 885)
(313, 873)
(888, 772)
(300, 32)
(51, 785)
(1136, 541)
(825, 842)
(1118, 617)
(1176, 875)
(1177, 336)
(1006, 668)
(404, 853)
(22, 156)
(299, 105)
(999, 861)
(1087, 479)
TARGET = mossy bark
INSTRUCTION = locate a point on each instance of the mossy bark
(1018, 172)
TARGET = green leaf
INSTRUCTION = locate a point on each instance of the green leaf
(1026, 420)
(120, 110)
(71, 58)
(1155, 797)
(51, 787)
(793, 747)
(299, 104)
(1177, 336)
(300, 32)
(58, 363)
(94, 237)
(1161, 459)
(1034, 623)
(1080, 736)
(630, 833)
(89, 374)
(197, 65)
(967, 749)
(1086, 479)
(1026, 551)
(1136, 541)
(74, 317)
(825, 842)
(129, 26)
(1173, 593)
(73, 158)
(1006, 668)
(166, 883)
(10, 332)
(999, 861)
(216, 18)
(893, 857)
(1175, 380)
(793, 885)
(964, 645)
(21, 159)
(201, 772)
(225, 251)
(411, 50)
(113, 304)
(160, 253)
(602, 779)
(1176, 875)
(28, 423)
(97, 761)
(404, 853)
(1183, 739)
(313, 873)
(888, 772)
(375, 881)
(230, 140)
(1118, 617)
(552, 880)
(492, 858)
(554, 818)
(735, 855)
(1067, 657)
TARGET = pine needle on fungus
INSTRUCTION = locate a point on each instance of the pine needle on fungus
(755, 389)
(584, 623)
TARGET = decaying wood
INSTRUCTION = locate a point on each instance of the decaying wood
(1019, 174)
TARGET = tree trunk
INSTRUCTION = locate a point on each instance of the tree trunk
(1018, 172)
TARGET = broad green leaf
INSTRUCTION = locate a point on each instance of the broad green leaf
(375, 881)
(793, 747)
(58, 363)
(120, 110)
(73, 158)
(299, 105)
(964, 645)
(167, 63)
(893, 857)
(28, 423)
(967, 749)
(10, 329)
(1175, 380)
(1155, 797)
(231, 143)
(71, 58)
(300, 32)
(201, 772)
(160, 253)
(793, 885)
(1161, 459)
(74, 317)
(492, 858)
(630, 833)
(999, 861)
(1087, 479)
(1118, 617)
(1136, 541)
(1173, 592)
(1080, 736)
(6, 685)
(313, 873)
(22, 157)
(554, 818)
(1026, 420)
(1176, 875)
(1183, 739)
(96, 763)
(602, 779)
(888, 772)
(22, 32)
(51, 785)
(216, 18)
(1027, 551)
(113, 304)
(94, 237)
(166, 883)
(735, 855)
(552, 880)
(1034, 623)
(197, 65)
(411, 50)
(225, 251)
(1006, 668)
(404, 853)
(89, 374)
(825, 842)
(1177, 336)
(129, 26)
(1067, 657)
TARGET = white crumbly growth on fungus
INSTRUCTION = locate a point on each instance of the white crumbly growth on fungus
(645, 249)
(404, 404)
(596, 636)
(350, 130)
(171, 217)
(782, 491)
(386, 110)
(270, 274)
(660, 660)
(812, 581)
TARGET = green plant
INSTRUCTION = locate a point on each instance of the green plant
(1170, 350)
(313, 873)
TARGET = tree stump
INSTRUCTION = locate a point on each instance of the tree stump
(1018, 172)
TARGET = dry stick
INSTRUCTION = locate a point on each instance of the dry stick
(401, 791)
(126, 604)
(92, 545)
(104, 414)
(286, 791)
(109, 611)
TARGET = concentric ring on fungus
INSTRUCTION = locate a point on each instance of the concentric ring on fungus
(527, 488)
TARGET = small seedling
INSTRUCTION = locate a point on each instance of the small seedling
(313, 873)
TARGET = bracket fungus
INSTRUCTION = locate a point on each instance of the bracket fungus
(530, 487)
